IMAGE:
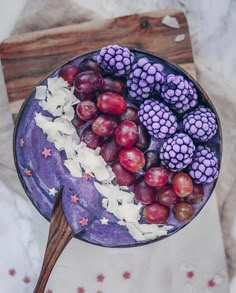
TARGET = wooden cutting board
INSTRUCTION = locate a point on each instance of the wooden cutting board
(29, 57)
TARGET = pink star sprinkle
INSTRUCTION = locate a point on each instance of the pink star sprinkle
(22, 142)
(100, 278)
(74, 198)
(80, 290)
(99, 291)
(83, 222)
(12, 272)
(190, 274)
(211, 283)
(27, 172)
(26, 280)
(49, 291)
(46, 152)
(126, 275)
(86, 176)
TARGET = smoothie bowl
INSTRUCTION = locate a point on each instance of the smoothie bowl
(132, 138)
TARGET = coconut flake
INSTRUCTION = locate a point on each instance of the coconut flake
(56, 83)
(105, 203)
(41, 92)
(112, 206)
(134, 232)
(129, 212)
(74, 168)
(111, 191)
(170, 21)
(179, 38)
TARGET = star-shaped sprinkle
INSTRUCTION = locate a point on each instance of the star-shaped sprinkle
(211, 283)
(104, 221)
(26, 280)
(12, 272)
(190, 274)
(99, 291)
(27, 172)
(126, 275)
(74, 198)
(80, 290)
(83, 222)
(86, 176)
(46, 153)
(22, 142)
(52, 191)
(100, 278)
(49, 291)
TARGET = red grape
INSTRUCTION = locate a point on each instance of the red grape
(126, 134)
(110, 150)
(82, 96)
(156, 177)
(88, 82)
(183, 212)
(132, 159)
(144, 138)
(104, 125)
(166, 196)
(155, 213)
(130, 114)
(90, 138)
(123, 176)
(182, 184)
(69, 72)
(197, 195)
(89, 65)
(112, 85)
(151, 160)
(111, 103)
(86, 110)
(144, 193)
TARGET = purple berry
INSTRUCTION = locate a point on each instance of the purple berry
(179, 93)
(116, 59)
(204, 167)
(200, 123)
(177, 152)
(157, 118)
(144, 79)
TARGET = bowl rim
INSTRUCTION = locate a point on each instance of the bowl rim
(146, 53)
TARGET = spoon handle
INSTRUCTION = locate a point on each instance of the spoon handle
(60, 234)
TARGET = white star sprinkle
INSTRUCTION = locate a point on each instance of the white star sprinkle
(52, 191)
(104, 221)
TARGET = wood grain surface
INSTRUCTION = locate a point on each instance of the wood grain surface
(27, 58)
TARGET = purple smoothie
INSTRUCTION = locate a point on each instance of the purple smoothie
(50, 172)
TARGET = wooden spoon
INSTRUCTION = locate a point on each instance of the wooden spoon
(60, 234)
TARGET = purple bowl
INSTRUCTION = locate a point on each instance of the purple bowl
(35, 185)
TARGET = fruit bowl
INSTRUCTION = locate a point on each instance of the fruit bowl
(134, 139)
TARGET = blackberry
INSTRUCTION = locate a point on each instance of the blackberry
(144, 79)
(177, 152)
(116, 59)
(200, 123)
(179, 93)
(204, 167)
(157, 118)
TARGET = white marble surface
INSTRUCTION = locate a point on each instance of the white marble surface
(212, 26)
